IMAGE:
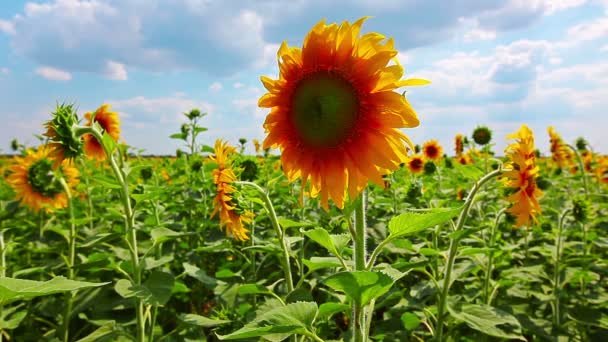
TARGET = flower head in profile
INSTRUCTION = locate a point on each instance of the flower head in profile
(334, 112)
(560, 153)
(458, 144)
(64, 142)
(601, 171)
(257, 145)
(415, 163)
(35, 178)
(522, 177)
(432, 150)
(110, 123)
(232, 216)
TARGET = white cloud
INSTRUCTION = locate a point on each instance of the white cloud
(53, 74)
(7, 27)
(479, 34)
(588, 31)
(4, 71)
(115, 71)
(553, 6)
(404, 58)
(238, 85)
(162, 109)
(215, 86)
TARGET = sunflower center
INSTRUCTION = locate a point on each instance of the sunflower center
(42, 179)
(325, 109)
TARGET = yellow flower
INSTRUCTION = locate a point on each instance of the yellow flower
(34, 178)
(432, 150)
(232, 217)
(415, 163)
(257, 145)
(458, 144)
(522, 178)
(109, 122)
(602, 170)
(560, 153)
(334, 113)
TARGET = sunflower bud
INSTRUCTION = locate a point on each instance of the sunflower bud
(581, 144)
(580, 210)
(14, 144)
(414, 192)
(64, 140)
(196, 166)
(146, 173)
(429, 168)
(194, 114)
(543, 183)
(482, 135)
(249, 170)
(448, 163)
(417, 148)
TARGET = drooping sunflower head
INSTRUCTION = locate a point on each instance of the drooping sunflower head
(432, 150)
(482, 135)
(64, 142)
(458, 144)
(560, 153)
(110, 123)
(415, 163)
(35, 178)
(522, 177)
(334, 112)
(233, 216)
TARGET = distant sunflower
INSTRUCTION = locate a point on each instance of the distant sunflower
(464, 159)
(560, 153)
(601, 170)
(110, 123)
(257, 145)
(458, 144)
(334, 113)
(523, 177)
(432, 150)
(35, 180)
(232, 217)
(415, 163)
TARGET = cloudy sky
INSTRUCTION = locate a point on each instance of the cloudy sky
(499, 63)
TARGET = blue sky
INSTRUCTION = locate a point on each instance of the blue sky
(498, 63)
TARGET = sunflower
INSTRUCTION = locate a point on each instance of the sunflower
(257, 145)
(415, 163)
(64, 142)
(464, 159)
(458, 144)
(432, 150)
(232, 217)
(35, 179)
(560, 153)
(110, 123)
(334, 113)
(522, 178)
(601, 170)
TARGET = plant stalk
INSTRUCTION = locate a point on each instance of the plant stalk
(359, 239)
(556, 271)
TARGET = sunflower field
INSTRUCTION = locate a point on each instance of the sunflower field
(337, 228)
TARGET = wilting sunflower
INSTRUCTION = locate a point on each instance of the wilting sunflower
(35, 180)
(560, 153)
(415, 163)
(110, 123)
(432, 150)
(334, 113)
(522, 178)
(458, 144)
(232, 217)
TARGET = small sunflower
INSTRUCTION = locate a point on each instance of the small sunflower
(232, 217)
(560, 153)
(334, 112)
(522, 178)
(415, 163)
(257, 145)
(482, 135)
(458, 144)
(601, 170)
(432, 150)
(110, 123)
(35, 179)
(464, 159)
(64, 142)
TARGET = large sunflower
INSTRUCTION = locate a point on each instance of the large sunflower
(334, 114)
(232, 217)
(34, 178)
(432, 150)
(522, 178)
(109, 122)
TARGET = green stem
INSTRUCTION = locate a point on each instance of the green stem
(71, 262)
(360, 265)
(2, 269)
(486, 283)
(581, 167)
(277, 228)
(556, 271)
(453, 249)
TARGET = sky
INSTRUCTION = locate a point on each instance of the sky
(497, 63)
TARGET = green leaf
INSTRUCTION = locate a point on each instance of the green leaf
(410, 223)
(107, 182)
(150, 263)
(287, 223)
(253, 289)
(200, 129)
(489, 320)
(7, 323)
(470, 171)
(97, 334)
(201, 321)
(360, 286)
(326, 310)
(334, 243)
(294, 318)
(98, 238)
(181, 136)
(199, 274)
(317, 263)
(20, 289)
(162, 234)
(410, 321)
(156, 290)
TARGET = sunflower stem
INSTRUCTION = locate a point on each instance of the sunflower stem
(71, 261)
(581, 167)
(453, 249)
(491, 242)
(359, 239)
(556, 271)
(131, 233)
(277, 228)
(2, 268)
